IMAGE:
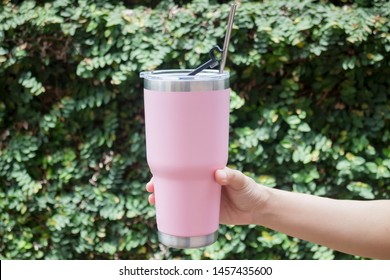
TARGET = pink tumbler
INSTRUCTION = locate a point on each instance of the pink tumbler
(187, 137)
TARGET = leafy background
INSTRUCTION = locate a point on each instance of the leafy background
(309, 113)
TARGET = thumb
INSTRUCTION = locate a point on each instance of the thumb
(232, 178)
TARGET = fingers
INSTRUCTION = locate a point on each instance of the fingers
(150, 186)
(152, 199)
(232, 178)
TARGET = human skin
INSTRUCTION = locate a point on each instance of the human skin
(355, 227)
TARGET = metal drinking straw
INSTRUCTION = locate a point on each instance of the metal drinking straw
(227, 37)
(213, 62)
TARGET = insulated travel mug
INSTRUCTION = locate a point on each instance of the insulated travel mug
(187, 137)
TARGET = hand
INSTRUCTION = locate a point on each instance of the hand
(240, 199)
(349, 226)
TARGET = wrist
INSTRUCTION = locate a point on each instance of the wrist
(262, 205)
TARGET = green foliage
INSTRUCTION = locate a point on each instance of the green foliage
(309, 113)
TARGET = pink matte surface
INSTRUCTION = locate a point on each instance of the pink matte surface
(187, 137)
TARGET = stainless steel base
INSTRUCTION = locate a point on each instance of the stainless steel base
(181, 242)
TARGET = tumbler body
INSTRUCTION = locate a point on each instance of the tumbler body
(187, 137)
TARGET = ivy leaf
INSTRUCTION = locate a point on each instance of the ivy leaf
(293, 120)
(362, 189)
(304, 127)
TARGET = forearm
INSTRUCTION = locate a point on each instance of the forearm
(355, 227)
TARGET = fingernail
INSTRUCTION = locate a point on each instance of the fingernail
(223, 176)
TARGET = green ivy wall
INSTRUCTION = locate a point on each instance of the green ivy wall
(309, 113)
